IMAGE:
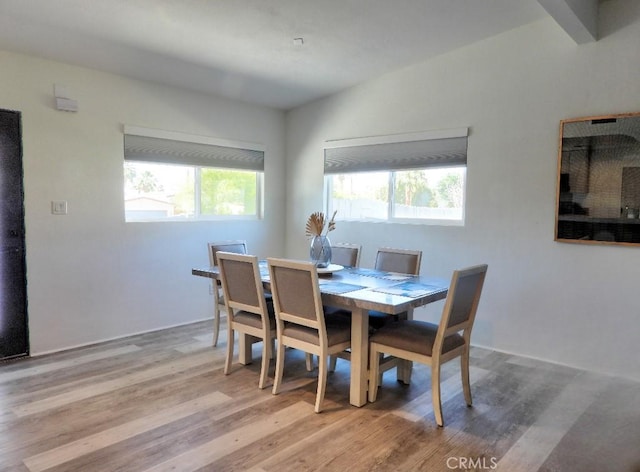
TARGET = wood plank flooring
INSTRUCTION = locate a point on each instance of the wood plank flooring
(160, 402)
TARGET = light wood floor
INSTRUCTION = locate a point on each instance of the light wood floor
(160, 402)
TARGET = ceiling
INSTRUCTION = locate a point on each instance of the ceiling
(244, 49)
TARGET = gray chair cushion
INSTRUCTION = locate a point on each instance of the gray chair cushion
(414, 336)
(338, 331)
(251, 319)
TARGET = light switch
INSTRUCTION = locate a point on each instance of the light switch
(59, 207)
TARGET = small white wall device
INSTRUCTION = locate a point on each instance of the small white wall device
(64, 102)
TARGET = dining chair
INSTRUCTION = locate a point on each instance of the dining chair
(402, 261)
(432, 344)
(301, 322)
(346, 254)
(399, 261)
(235, 246)
(248, 311)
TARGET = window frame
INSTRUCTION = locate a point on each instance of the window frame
(197, 212)
(328, 187)
(225, 163)
(356, 163)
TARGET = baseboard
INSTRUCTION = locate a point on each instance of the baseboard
(116, 338)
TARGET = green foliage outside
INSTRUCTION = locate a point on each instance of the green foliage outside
(184, 200)
(450, 191)
(228, 192)
(412, 189)
(223, 191)
(142, 182)
(373, 191)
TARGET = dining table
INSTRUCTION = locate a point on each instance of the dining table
(359, 290)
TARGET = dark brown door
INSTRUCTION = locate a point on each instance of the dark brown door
(14, 340)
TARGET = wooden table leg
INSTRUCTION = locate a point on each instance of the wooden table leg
(244, 352)
(359, 356)
(405, 367)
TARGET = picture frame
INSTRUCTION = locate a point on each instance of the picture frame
(598, 180)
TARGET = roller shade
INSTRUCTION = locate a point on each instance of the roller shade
(170, 151)
(444, 152)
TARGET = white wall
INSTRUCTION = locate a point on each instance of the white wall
(569, 303)
(90, 275)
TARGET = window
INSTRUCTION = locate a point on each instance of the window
(408, 178)
(180, 177)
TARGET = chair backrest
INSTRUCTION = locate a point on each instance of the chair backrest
(296, 294)
(344, 254)
(236, 246)
(241, 283)
(460, 308)
(404, 261)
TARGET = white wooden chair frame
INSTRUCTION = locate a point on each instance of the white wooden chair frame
(214, 248)
(322, 350)
(265, 333)
(404, 367)
(437, 358)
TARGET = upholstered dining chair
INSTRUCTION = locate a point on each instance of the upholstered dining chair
(300, 320)
(236, 246)
(402, 261)
(432, 344)
(346, 254)
(248, 311)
